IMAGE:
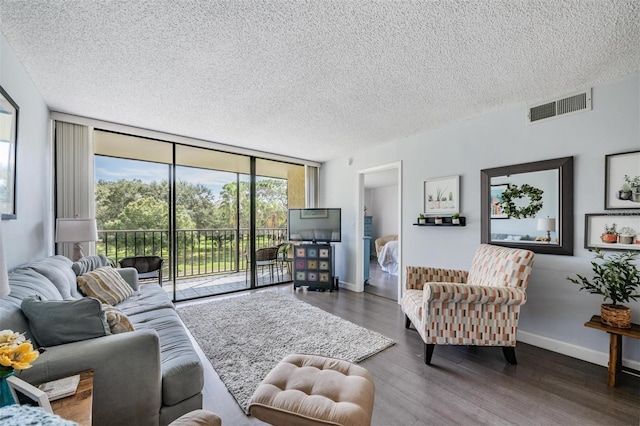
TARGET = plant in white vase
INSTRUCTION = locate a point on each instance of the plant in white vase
(626, 235)
(455, 218)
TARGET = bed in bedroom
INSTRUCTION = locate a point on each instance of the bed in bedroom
(388, 256)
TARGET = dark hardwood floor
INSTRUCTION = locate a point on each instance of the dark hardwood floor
(464, 385)
(381, 283)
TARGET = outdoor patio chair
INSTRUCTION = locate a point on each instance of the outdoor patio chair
(148, 267)
(266, 257)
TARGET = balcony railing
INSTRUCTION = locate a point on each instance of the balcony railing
(199, 251)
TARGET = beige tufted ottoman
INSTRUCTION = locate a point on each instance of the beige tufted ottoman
(314, 390)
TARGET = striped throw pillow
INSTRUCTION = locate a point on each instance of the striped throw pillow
(105, 284)
(118, 321)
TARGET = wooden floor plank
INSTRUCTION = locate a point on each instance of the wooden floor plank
(465, 385)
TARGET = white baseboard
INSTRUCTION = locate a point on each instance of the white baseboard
(579, 352)
(348, 286)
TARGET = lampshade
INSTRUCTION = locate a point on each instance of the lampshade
(76, 230)
(546, 224)
(4, 277)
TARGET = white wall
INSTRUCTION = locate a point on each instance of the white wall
(31, 235)
(556, 311)
(382, 204)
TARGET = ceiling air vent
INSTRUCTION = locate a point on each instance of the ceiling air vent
(573, 103)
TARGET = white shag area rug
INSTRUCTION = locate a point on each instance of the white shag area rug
(244, 337)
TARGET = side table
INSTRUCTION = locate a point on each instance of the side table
(615, 344)
(77, 407)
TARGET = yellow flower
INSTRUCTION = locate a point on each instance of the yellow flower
(16, 353)
(24, 355)
(6, 355)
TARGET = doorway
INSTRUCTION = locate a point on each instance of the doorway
(380, 190)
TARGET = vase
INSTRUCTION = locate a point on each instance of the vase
(625, 239)
(6, 398)
(609, 238)
(625, 195)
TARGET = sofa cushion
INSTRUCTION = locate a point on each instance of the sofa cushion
(118, 321)
(58, 270)
(182, 374)
(89, 263)
(106, 285)
(149, 297)
(55, 322)
(27, 282)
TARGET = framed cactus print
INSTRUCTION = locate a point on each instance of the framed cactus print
(441, 196)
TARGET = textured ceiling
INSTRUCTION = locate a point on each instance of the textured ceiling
(314, 79)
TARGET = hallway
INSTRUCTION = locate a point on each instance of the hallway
(381, 283)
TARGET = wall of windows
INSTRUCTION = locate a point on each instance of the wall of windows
(210, 214)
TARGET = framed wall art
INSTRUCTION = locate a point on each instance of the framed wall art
(8, 140)
(25, 393)
(612, 231)
(497, 210)
(622, 181)
(442, 195)
(313, 213)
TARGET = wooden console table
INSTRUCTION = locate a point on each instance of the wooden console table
(615, 344)
(77, 407)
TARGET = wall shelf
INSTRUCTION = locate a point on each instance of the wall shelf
(446, 221)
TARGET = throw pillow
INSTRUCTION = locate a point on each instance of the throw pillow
(118, 321)
(56, 322)
(106, 285)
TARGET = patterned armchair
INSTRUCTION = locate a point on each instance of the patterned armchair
(480, 307)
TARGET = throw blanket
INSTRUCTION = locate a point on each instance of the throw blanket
(388, 258)
(21, 415)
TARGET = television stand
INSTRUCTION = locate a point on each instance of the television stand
(313, 266)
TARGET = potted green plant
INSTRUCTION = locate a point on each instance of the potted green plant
(422, 219)
(610, 235)
(455, 218)
(634, 184)
(438, 196)
(626, 235)
(616, 278)
(430, 199)
(626, 192)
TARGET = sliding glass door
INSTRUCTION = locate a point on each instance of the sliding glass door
(211, 250)
(278, 187)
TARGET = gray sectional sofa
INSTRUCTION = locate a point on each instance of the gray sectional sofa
(149, 376)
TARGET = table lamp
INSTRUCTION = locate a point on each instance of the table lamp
(76, 231)
(547, 224)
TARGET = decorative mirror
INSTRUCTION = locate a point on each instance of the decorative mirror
(529, 206)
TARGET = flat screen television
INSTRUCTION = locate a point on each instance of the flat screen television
(315, 225)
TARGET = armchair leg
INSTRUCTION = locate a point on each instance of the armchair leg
(407, 322)
(510, 354)
(428, 352)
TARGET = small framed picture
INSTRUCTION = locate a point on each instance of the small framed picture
(25, 393)
(313, 213)
(497, 211)
(622, 181)
(442, 195)
(612, 231)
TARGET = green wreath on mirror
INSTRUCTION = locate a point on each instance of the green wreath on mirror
(513, 192)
